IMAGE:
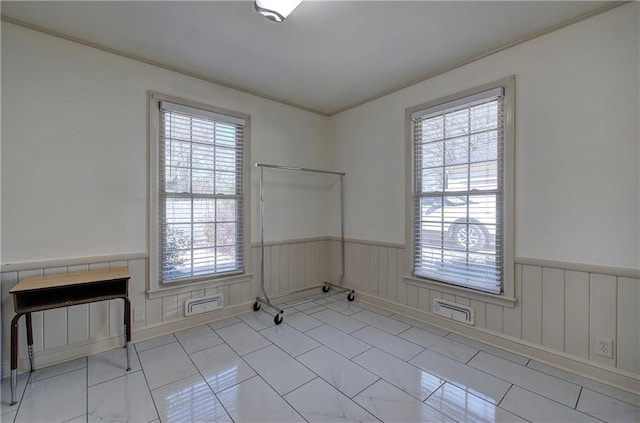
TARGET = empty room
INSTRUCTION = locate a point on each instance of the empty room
(320, 210)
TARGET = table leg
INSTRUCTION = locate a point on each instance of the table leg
(127, 329)
(30, 340)
(14, 357)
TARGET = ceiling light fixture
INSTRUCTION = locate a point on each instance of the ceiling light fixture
(276, 10)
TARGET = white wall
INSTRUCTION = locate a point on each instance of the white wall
(74, 158)
(577, 139)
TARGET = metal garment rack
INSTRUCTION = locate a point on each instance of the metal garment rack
(326, 286)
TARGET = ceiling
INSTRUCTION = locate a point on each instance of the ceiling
(328, 56)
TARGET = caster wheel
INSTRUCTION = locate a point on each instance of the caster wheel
(277, 319)
(256, 306)
(325, 288)
(351, 296)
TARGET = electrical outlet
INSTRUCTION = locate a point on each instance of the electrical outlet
(138, 314)
(604, 347)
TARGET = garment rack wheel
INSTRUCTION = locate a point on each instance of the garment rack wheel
(351, 296)
(278, 318)
(256, 306)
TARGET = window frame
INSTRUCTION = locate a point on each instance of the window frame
(155, 286)
(507, 296)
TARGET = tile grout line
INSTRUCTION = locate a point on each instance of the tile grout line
(264, 380)
(444, 382)
(317, 375)
(367, 387)
(146, 381)
(559, 403)
(199, 373)
(505, 395)
(510, 411)
(349, 359)
(575, 407)
(472, 357)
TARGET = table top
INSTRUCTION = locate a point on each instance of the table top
(67, 279)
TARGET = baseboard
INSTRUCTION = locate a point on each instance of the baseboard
(618, 378)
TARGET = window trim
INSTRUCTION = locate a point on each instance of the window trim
(155, 288)
(508, 289)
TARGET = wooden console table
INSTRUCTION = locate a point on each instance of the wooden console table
(40, 293)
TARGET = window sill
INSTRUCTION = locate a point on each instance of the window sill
(157, 292)
(472, 294)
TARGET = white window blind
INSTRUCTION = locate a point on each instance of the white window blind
(458, 191)
(200, 193)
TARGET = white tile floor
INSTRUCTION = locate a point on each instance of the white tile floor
(329, 361)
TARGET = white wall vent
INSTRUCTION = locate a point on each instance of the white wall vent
(457, 312)
(203, 304)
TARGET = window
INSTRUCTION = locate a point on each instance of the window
(462, 189)
(198, 229)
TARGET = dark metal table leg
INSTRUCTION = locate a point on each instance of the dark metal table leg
(30, 340)
(127, 329)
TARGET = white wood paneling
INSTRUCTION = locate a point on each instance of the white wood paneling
(169, 308)
(78, 324)
(365, 276)
(559, 309)
(98, 312)
(424, 299)
(54, 328)
(274, 270)
(402, 285)
(116, 317)
(412, 296)
(116, 307)
(302, 265)
(392, 274)
(628, 357)
(494, 318)
(235, 294)
(372, 286)
(267, 270)
(448, 297)
(383, 278)
(553, 308)
(463, 301)
(512, 317)
(153, 311)
(576, 320)
(284, 268)
(603, 314)
(480, 313)
(532, 304)
(138, 286)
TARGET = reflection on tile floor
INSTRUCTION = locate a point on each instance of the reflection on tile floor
(329, 361)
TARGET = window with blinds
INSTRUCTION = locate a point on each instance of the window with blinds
(200, 178)
(458, 196)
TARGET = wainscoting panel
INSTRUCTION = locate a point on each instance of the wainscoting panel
(553, 301)
(576, 320)
(603, 298)
(67, 333)
(628, 327)
(558, 309)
